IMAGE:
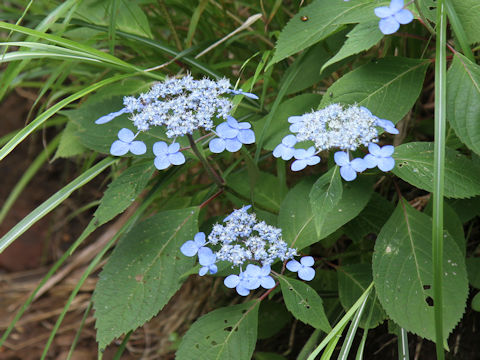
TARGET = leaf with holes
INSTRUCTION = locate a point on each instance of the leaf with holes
(123, 191)
(388, 87)
(414, 164)
(353, 280)
(304, 303)
(463, 101)
(143, 273)
(228, 333)
(296, 218)
(402, 271)
(326, 193)
(323, 19)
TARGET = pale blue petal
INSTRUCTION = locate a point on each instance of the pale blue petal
(404, 16)
(233, 145)
(396, 5)
(298, 165)
(267, 282)
(225, 131)
(386, 164)
(307, 261)
(252, 270)
(242, 290)
(232, 122)
(176, 159)
(119, 148)
(244, 125)
(246, 136)
(295, 119)
(374, 149)
(300, 154)
(206, 256)
(289, 140)
(306, 273)
(387, 150)
(213, 269)
(293, 265)
(217, 145)
(347, 173)
(370, 161)
(287, 153)
(231, 281)
(310, 151)
(383, 11)
(203, 270)
(106, 118)
(199, 239)
(160, 148)
(358, 165)
(126, 135)
(341, 158)
(266, 269)
(173, 148)
(388, 25)
(313, 160)
(189, 248)
(161, 162)
(138, 147)
(252, 283)
(247, 94)
(278, 151)
(296, 127)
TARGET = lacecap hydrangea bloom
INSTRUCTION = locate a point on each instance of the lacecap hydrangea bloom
(181, 106)
(338, 127)
(249, 244)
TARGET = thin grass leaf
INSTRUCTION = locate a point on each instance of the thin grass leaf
(112, 25)
(28, 175)
(202, 4)
(341, 324)
(79, 331)
(27, 130)
(439, 173)
(458, 30)
(51, 203)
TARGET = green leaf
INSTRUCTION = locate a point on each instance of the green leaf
(278, 128)
(476, 302)
(268, 191)
(123, 191)
(304, 303)
(361, 38)
(353, 280)
(467, 11)
(463, 101)
(326, 193)
(228, 333)
(466, 209)
(296, 218)
(129, 18)
(371, 219)
(473, 268)
(69, 145)
(388, 87)
(402, 271)
(273, 317)
(143, 273)
(324, 19)
(268, 356)
(414, 164)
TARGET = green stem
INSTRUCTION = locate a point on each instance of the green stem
(211, 171)
(438, 172)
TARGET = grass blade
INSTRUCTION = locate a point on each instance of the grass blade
(438, 173)
(51, 203)
(458, 30)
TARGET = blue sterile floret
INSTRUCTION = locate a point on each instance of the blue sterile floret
(126, 143)
(166, 155)
(183, 106)
(343, 127)
(244, 241)
(380, 157)
(303, 268)
(392, 16)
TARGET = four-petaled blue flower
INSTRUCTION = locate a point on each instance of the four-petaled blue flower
(286, 149)
(237, 282)
(392, 16)
(349, 169)
(191, 247)
(167, 155)
(125, 143)
(232, 135)
(387, 125)
(252, 278)
(207, 259)
(247, 94)
(303, 268)
(297, 123)
(303, 158)
(380, 157)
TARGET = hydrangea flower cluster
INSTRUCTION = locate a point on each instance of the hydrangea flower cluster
(392, 16)
(345, 128)
(244, 241)
(182, 106)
